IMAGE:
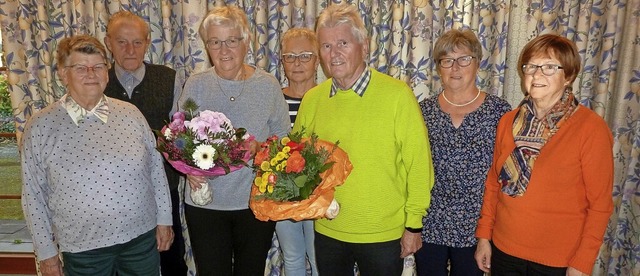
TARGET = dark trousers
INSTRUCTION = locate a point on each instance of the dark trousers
(172, 261)
(228, 242)
(136, 257)
(503, 264)
(337, 258)
(435, 260)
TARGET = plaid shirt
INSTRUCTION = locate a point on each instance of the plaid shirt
(359, 86)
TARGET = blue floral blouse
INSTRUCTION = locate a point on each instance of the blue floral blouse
(461, 158)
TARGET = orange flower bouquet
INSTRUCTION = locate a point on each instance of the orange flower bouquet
(296, 178)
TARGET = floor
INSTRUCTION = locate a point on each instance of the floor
(14, 241)
(16, 248)
(14, 237)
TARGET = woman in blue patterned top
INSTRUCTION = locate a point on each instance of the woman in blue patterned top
(462, 124)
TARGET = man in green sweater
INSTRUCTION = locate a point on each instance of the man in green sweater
(378, 122)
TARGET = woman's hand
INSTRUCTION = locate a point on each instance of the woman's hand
(254, 147)
(574, 272)
(483, 255)
(51, 266)
(196, 182)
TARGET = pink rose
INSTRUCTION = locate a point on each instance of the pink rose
(177, 124)
(178, 116)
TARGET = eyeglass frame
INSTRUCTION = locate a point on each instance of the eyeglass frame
(226, 42)
(77, 68)
(555, 68)
(297, 57)
(455, 60)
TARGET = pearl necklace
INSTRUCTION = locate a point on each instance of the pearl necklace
(460, 105)
(232, 98)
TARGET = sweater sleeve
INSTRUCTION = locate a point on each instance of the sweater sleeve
(189, 90)
(484, 229)
(597, 171)
(177, 90)
(279, 123)
(159, 181)
(35, 195)
(412, 137)
(178, 100)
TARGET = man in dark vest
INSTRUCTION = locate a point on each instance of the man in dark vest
(152, 89)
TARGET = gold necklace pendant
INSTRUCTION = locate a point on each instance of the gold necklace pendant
(233, 98)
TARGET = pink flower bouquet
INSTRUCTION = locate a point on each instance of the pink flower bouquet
(204, 145)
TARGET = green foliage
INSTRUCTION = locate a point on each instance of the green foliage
(190, 108)
(5, 99)
(6, 111)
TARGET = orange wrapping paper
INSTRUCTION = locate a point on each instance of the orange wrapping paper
(316, 205)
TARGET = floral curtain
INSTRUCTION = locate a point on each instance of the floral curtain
(402, 36)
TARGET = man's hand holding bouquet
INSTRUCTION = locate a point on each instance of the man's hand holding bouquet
(203, 145)
(296, 178)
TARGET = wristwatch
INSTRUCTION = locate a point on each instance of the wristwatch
(414, 230)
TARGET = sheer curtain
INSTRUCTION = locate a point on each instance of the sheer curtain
(402, 36)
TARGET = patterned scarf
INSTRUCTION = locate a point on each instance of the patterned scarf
(530, 135)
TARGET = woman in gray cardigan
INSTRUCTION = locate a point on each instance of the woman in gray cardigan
(226, 237)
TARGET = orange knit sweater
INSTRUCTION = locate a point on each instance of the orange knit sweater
(561, 218)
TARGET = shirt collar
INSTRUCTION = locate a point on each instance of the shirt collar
(138, 74)
(359, 86)
(78, 113)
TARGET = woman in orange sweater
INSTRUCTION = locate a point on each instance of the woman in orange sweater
(548, 198)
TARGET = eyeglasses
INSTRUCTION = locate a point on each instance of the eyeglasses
(83, 70)
(547, 69)
(302, 57)
(462, 61)
(232, 42)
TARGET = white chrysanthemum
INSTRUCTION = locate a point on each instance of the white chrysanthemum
(203, 156)
(167, 134)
